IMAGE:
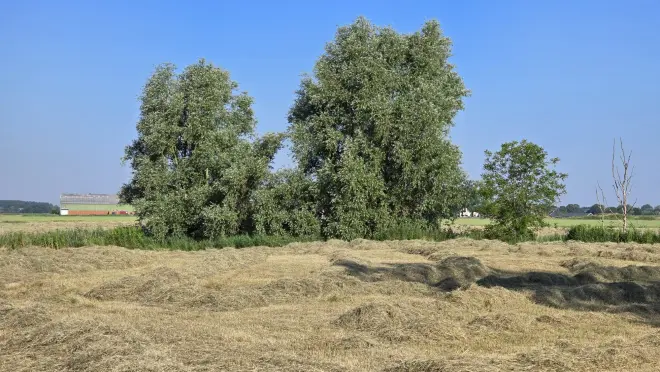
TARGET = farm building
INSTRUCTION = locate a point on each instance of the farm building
(92, 205)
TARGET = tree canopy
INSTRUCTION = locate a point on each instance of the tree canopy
(523, 184)
(573, 208)
(196, 162)
(371, 125)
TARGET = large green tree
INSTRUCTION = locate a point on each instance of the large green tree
(523, 184)
(196, 162)
(371, 126)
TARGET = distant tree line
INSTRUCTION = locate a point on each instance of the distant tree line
(597, 209)
(20, 206)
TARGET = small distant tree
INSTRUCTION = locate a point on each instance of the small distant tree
(620, 209)
(597, 209)
(657, 209)
(522, 183)
(573, 208)
(647, 209)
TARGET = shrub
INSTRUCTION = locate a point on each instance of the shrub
(599, 234)
(135, 238)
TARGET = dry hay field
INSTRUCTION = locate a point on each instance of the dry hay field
(459, 305)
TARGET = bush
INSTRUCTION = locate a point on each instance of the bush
(135, 238)
(509, 233)
(599, 234)
(411, 230)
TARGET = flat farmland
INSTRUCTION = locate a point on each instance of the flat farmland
(412, 306)
(45, 222)
(568, 222)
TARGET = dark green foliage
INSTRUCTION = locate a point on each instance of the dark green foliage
(25, 207)
(619, 209)
(409, 230)
(618, 217)
(647, 210)
(597, 209)
(516, 230)
(523, 186)
(286, 205)
(196, 163)
(599, 234)
(135, 238)
(475, 200)
(573, 208)
(371, 129)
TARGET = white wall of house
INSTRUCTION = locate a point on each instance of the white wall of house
(466, 213)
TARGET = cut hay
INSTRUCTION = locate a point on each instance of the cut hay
(413, 306)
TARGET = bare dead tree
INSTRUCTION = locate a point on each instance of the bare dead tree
(622, 182)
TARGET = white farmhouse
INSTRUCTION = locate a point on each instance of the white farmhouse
(466, 213)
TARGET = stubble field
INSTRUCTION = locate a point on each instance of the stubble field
(459, 305)
(42, 223)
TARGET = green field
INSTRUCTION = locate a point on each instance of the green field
(567, 222)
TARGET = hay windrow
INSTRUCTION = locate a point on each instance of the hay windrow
(392, 322)
(613, 273)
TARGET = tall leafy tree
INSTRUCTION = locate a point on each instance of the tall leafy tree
(523, 184)
(196, 162)
(371, 127)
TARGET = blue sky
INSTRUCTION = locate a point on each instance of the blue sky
(568, 75)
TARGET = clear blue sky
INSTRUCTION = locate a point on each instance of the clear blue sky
(569, 75)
